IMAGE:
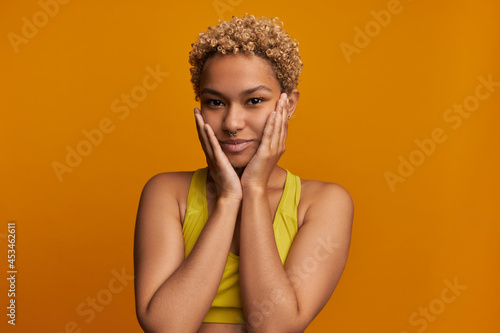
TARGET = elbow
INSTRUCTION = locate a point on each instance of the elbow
(283, 318)
(272, 328)
(145, 322)
(153, 323)
(289, 327)
(286, 324)
(149, 324)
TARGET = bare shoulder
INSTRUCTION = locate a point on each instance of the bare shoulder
(169, 183)
(167, 191)
(170, 178)
(325, 198)
(314, 190)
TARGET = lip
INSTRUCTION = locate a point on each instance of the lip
(235, 146)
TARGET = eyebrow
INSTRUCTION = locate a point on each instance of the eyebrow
(243, 93)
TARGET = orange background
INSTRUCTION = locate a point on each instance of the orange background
(355, 121)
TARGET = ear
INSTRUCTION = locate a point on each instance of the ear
(293, 99)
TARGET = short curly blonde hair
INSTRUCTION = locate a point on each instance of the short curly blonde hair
(260, 36)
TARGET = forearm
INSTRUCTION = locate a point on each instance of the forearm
(268, 297)
(182, 301)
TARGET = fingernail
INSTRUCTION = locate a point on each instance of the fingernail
(196, 110)
(273, 115)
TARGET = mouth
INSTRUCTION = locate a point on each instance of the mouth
(235, 146)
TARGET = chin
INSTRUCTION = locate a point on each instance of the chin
(239, 164)
(239, 161)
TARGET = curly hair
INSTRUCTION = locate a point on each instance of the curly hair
(260, 36)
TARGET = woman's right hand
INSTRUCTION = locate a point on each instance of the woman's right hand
(222, 172)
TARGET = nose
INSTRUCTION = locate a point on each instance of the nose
(234, 119)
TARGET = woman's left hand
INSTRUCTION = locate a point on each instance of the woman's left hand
(271, 148)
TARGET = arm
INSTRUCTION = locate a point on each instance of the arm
(174, 294)
(279, 298)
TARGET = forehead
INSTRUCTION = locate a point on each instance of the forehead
(237, 72)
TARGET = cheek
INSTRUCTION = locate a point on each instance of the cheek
(212, 120)
(259, 123)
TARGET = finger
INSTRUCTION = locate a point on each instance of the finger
(284, 128)
(278, 124)
(268, 131)
(219, 156)
(199, 128)
(205, 143)
(203, 138)
(283, 120)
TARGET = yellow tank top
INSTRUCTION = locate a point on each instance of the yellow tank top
(226, 307)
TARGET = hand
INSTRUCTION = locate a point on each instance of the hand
(271, 148)
(222, 172)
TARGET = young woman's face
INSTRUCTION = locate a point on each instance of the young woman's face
(237, 94)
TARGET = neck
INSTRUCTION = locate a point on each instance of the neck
(277, 178)
(239, 171)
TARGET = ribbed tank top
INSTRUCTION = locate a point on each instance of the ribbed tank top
(226, 307)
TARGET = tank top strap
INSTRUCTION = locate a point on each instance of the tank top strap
(291, 194)
(197, 199)
(285, 222)
(196, 210)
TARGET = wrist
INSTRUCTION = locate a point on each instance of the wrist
(254, 190)
(229, 201)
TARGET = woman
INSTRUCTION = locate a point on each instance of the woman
(241, 245)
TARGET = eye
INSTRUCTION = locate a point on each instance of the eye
(255, 100)
(214, 102)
